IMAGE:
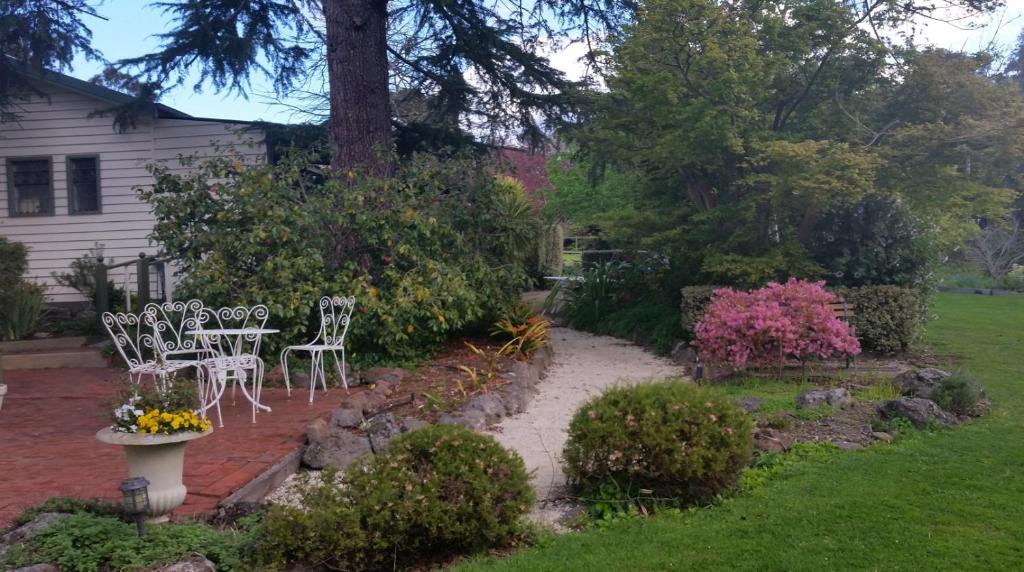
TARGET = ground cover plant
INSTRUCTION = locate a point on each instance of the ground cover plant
(932, 500)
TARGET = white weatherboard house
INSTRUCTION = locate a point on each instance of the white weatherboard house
(67, 180)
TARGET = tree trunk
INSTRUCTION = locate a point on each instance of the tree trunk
(357, 67)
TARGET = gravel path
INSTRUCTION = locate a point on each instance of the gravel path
(584, 365)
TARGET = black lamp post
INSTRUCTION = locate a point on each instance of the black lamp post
(135, 498)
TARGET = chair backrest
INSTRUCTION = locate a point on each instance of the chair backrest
(170, 321)
(236, 318)
(335, 314)
(130, 336)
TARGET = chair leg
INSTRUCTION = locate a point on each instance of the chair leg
(340, 367)
(316, 370)
(284, 369)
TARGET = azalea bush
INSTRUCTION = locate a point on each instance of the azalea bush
(767, 326)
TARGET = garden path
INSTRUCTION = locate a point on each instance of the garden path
(584, 365)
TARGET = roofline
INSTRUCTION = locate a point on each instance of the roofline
(95, 91)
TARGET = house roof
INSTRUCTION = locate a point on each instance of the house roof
(111, 96)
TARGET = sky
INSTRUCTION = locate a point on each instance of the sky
(131, 28)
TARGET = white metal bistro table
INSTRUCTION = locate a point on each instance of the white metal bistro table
(235, 361)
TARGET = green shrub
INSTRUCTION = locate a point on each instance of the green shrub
(439, 246)
(694, 300)
(959, 393)
(887, 318)
(89, 543)
(13, 263)
(67, 505)
(20, 308)
(440, 490)
(324, 531)
(671, 441)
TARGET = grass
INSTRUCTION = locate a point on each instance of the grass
(944, 500)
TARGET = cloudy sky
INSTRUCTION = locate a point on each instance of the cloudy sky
(131, 27)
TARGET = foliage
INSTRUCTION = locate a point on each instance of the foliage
(671, 442)
(82, 278)
(580, 194)
(694, 301)
(887, 319)
(86, 542)
(324, 529)
(959, 393)
(21, 301)
(877, 240)
(439, 246)
(770, 466)
(998, 248)
(546, 260)
(769, 325)
(525, 336)
(171, 409)
(439, 490)
(20, 309)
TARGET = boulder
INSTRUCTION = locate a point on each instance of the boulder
(412, 424)
(489, 404)
(749, 404)
(38, 568)
(384, 387)
(28, 530)
(316, 431)
(768, 439)
(839, 398)
(474, 420)
(882, 436)
(195, 564)
(848, 445)
(230, 514)
(275, 375)
(346, 417)
(683, 354)
(381, 430)
(522, 374)
(516, 399)
(339, 449)
(367, 401)
(393, 375)
(919, 411)
(299, 379)
(919, 382)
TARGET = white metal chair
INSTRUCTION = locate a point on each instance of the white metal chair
(335, 315)
(139, 351)
(232, 336)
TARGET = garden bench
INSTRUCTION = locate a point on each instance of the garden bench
(844, 311)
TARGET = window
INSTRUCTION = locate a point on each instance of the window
(30, 186)
(83, 184)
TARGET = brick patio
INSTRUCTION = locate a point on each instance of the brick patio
(47, 445)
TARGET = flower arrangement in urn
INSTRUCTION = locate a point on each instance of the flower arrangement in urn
(158, 413)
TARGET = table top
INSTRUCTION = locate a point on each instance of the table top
(231, 331)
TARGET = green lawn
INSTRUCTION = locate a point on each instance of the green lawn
(950, 500)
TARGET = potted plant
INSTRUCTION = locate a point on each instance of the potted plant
(154, 429)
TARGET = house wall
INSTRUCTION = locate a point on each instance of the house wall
(60, 126)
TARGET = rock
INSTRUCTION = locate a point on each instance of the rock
(339, 449)
(384, 387)
(542, 359)
(38, 568)
(316, 431)
(489, 404)
(345, 417)
(275, 375)
(683, 354)
(848, 445)
(750, 404)
(516, 399)
(768, 439)
(229, 515)
(919, 382)
(31, 528)
(919, 411)
(367, 401)
(474, 420)
(522, 374)
(381, 430)
(839, 398)
(882, 436)
(393, 375)
(196, 564)
(299, 379)
(412, 424)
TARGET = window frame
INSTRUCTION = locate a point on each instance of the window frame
(70, 189)
(12, 211)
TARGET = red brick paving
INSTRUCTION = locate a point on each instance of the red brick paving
(47, 444)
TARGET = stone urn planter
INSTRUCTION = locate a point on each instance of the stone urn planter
(3, 392)
(161, 460)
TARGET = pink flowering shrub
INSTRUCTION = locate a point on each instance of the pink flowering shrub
(767, 326)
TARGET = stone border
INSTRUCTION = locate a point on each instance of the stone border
(345, 431)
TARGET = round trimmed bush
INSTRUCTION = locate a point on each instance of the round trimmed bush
(670, 440)
(440, 490)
